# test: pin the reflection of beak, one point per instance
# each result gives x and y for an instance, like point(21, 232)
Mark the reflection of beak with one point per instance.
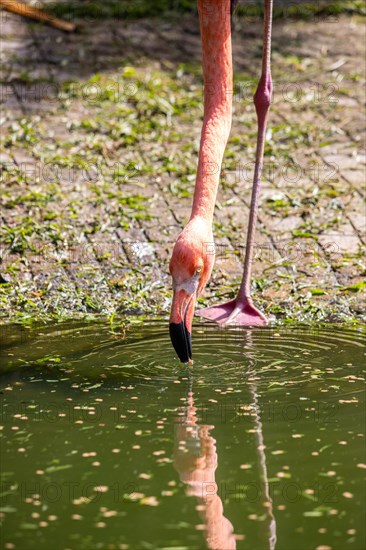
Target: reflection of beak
point(180, 326)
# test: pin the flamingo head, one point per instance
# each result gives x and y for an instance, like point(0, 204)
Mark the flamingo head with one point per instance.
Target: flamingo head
point(190, 267)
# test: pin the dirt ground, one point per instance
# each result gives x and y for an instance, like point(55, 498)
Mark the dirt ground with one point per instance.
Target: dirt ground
point(100, 134)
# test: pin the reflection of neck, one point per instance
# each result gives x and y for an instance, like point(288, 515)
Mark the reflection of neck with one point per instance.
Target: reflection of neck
point(219, 531)
point(196, 465)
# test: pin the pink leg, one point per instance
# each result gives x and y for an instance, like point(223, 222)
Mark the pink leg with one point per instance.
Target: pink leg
point(262, 102)
point(241, 310)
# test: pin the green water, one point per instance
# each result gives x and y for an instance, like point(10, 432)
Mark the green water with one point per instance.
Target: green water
point(108, 442)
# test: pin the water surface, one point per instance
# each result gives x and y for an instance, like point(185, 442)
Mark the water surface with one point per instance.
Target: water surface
point(108, 442)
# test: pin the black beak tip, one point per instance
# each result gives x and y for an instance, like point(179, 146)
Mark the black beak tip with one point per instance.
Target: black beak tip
point(182, 341)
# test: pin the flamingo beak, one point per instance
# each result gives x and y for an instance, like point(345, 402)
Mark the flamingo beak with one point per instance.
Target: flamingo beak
point(180, 325)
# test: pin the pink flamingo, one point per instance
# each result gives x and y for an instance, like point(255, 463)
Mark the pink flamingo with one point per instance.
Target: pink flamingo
point(191, 264)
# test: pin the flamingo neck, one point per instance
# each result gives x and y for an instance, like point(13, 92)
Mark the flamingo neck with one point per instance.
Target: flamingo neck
point(218, 88)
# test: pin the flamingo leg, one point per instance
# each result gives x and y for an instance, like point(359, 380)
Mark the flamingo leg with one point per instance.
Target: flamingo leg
point(241, 310)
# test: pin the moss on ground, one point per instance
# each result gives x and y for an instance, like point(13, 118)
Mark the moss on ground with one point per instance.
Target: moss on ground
point(96, 190)
point(126, 9)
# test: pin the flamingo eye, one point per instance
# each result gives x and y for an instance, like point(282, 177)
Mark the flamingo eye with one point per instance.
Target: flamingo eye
point(198, 270)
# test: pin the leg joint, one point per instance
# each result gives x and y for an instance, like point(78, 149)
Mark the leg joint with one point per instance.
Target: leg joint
point(263, 95)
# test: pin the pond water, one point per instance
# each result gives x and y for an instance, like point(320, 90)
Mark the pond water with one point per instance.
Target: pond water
point(107, 441)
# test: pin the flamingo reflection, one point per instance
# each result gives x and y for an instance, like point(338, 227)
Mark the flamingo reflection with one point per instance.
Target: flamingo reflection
point(195, 459)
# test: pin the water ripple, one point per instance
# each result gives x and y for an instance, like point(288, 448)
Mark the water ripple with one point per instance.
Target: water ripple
point(266, 356)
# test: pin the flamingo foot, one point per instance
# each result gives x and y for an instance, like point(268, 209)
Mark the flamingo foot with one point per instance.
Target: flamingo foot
point(241, 313)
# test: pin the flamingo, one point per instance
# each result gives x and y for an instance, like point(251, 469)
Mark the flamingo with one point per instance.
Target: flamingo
point(191, 263)
point(196, 461)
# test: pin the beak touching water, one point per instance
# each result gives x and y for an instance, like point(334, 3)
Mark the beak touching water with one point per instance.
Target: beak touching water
point(180, 324)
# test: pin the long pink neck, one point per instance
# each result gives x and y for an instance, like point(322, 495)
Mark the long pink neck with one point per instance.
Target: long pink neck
point(218, 88)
